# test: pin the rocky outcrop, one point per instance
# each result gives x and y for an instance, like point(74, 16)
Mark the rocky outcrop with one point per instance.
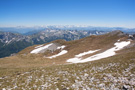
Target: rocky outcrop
point(118, 32)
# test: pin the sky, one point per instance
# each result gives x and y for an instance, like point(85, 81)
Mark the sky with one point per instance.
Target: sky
point(106, 13)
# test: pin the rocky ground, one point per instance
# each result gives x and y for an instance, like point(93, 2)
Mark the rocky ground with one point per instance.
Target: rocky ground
point(87, 76)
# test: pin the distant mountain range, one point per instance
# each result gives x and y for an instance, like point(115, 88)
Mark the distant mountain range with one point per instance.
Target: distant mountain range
point(32, 30)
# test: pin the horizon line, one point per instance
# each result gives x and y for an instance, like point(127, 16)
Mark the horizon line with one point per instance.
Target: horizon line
point(25, 26)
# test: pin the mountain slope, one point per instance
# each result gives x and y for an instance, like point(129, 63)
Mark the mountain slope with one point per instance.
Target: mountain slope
point(100, 43)
point(32, 68)
point(13, 43)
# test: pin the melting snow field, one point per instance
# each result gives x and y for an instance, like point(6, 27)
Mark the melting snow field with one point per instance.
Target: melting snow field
point(59, 54)
point(105, 54)
point(37, 50)
point(85, 53)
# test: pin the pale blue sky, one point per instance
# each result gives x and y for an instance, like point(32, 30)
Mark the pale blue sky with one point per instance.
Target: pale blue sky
point(107, 13)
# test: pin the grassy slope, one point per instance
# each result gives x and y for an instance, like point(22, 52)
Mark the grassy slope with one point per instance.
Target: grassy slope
point(46, 74)
point(117, 70)
point(25, 59)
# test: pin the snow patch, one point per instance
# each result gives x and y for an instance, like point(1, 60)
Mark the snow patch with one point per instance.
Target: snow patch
point(85, 53)
point(118, 40)
point(40, 48)
point(61, 47)
point(78, 57)
point(59, 54)
point(3, 89)
point(105, 54)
